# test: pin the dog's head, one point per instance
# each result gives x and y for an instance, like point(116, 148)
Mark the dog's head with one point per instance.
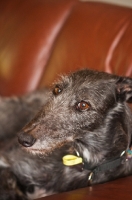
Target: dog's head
point(87, 109)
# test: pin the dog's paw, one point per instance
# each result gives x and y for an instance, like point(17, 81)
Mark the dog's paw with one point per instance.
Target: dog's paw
point(8, 179)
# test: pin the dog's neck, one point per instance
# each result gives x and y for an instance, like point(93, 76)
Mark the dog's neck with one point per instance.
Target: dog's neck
point(108, 165)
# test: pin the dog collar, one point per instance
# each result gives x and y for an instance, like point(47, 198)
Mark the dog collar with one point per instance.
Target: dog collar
point(104, 167)
point(71, 160)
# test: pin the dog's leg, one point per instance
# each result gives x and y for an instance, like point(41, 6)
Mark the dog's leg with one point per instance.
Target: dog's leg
point(9, 188)
point(15, 112)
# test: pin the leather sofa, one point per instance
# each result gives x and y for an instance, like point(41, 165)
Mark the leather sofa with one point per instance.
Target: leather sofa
point(40, 39)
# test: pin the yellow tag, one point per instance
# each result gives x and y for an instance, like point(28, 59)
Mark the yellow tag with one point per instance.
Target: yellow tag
point(70, 160)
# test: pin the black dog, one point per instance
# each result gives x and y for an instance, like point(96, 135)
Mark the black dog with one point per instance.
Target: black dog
point(86, 115)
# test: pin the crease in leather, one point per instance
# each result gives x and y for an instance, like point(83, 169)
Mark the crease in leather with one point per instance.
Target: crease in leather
point(112, 48)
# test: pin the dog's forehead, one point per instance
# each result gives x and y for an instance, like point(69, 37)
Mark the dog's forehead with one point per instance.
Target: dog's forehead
point(92, 76)
point(88, 79)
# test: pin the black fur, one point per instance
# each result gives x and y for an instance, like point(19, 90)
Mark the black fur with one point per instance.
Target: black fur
point(87, 113)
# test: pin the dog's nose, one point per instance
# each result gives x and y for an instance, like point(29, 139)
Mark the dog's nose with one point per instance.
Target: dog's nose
point(26, 139)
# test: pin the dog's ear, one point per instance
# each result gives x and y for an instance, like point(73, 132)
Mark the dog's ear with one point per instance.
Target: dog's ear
point(124, 89)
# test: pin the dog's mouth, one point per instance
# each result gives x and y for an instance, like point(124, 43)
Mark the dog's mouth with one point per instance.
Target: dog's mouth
point(47, 147)
point(37, 151)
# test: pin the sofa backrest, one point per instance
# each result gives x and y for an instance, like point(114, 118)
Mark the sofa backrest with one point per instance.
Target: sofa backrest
point(40, 39)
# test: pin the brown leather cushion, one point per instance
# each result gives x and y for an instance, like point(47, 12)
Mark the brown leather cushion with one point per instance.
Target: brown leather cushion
point(98, 36)
point(28, 29)
point(41, 38)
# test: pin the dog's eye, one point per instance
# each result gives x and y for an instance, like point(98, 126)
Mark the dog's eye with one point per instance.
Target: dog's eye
point(82, 106)
point(57, 90)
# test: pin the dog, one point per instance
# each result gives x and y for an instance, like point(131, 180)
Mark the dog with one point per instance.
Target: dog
point(75, 135)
